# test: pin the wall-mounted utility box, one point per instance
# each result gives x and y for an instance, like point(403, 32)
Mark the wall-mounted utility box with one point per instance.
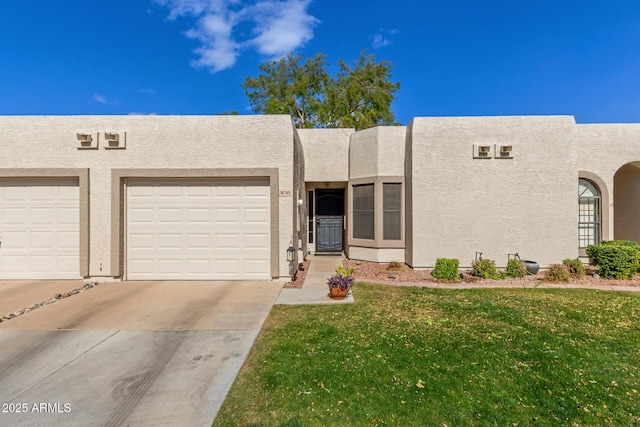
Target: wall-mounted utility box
point(86, 141)
point(481, 151)
point(504, 152)
point(114, 140)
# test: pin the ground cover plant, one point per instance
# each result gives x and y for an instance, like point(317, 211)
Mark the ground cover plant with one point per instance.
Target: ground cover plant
point(434, 357)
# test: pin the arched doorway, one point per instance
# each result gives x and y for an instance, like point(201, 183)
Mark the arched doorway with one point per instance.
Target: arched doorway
point(626, 202)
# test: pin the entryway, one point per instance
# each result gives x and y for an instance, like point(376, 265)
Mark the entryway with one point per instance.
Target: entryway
point(329, 220)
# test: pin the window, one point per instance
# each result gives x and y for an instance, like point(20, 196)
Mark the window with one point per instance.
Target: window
point(391, 200)
point(588, 214)
point(363, 206)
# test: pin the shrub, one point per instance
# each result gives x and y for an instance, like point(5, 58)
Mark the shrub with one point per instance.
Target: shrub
point(615, 259)
point(395, 266)
point(343, 271)
point(485, 268)
point(446, 269)
point(558, 273)
point(516, 268)
point(576, 269)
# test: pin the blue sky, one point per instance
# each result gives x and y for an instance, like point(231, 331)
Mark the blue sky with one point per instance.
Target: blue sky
point(452, 58)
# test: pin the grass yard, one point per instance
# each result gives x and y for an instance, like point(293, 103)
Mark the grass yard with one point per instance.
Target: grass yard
point(414, 356)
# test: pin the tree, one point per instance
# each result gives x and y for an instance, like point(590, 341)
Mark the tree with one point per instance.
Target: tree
point(359, 96)
point(286, 87)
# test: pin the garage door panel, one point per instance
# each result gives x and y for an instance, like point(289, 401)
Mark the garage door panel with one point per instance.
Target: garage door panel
point(141, 241)
point(45, 216)
point(170, 266)
point(255, 216)
point(69, 215)
point(67, 263)
point(41, 239)
point(227, 215)
point(141, 216)
point(170, 241)
point(14, 263)
point(170, 192)
point(259, 241)
point(201, 230)
point(199, 266)
point(14, 216)
point(68, 240)
point(198, 241)
point(40, 228)
point(254, 266)
point(226, 241)
point(41, 263)
point(199, 215)
point(170, 216)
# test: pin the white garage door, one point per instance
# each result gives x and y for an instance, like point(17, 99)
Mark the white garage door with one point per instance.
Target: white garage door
point(39, 230)
point(197, 230)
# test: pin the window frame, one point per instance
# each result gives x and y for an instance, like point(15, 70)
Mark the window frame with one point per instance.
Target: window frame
point(369, 210)
point(389, 212)
point(593, 227)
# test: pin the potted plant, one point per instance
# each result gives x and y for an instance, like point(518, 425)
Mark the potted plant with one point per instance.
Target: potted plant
point(340, 283)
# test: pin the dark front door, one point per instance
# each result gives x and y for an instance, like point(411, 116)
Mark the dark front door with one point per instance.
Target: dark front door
point(329, 219)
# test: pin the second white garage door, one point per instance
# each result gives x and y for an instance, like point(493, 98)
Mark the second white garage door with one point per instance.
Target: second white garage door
point(197, 230)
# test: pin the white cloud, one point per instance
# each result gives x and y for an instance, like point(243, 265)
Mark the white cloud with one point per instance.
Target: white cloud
point(277, 27)
point(382, 38)
point(100, 98)
point(282, 26)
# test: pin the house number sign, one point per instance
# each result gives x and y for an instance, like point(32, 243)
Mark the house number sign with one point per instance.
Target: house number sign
point(285, 193)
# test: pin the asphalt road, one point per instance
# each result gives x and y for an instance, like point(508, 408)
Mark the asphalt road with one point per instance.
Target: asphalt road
point(130, 354)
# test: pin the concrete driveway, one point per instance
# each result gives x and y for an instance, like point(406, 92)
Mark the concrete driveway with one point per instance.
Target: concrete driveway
point(130, 353)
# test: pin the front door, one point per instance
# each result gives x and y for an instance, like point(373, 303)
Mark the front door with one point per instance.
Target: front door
point(329, 219)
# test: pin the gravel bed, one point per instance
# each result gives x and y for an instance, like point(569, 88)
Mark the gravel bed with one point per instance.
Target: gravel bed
point(300, 276)
point(372, 271)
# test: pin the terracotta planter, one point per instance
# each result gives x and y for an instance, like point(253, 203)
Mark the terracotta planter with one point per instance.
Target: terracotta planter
point(337, 293)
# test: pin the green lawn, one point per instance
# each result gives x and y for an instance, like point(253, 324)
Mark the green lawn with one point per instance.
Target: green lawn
point(434, 357)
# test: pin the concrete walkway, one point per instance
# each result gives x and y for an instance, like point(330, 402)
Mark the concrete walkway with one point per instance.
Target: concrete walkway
point(315, 289)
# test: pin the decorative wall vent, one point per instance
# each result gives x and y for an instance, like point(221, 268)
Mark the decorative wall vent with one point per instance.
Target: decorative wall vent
point(86, 141)
point(504, 152)
point(481, 151)
point(113, 140)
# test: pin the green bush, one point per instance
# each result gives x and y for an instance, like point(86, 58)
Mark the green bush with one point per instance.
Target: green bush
point(516, 268)
point(558, 273)
point(576, 268)
point(446, 269)
point(485, 268)
point(615, 259)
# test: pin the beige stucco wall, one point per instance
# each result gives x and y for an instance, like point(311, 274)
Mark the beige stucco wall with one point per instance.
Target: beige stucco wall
point(603, 149)
point(153, 142)
point(326, 154)
point(627, 203)
point(460, 205)
point(376, 254)
point(377, 151)
point(377, 155)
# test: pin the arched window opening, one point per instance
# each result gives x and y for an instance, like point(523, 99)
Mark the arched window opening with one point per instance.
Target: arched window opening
point(588, 213)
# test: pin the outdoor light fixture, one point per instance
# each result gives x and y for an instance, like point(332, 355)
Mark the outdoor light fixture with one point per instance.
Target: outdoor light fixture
point(290, 252)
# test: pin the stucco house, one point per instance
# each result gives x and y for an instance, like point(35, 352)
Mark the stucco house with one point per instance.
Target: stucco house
point(224, 197)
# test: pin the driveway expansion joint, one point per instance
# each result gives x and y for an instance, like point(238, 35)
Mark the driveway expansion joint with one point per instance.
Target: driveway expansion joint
point(55, 298)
